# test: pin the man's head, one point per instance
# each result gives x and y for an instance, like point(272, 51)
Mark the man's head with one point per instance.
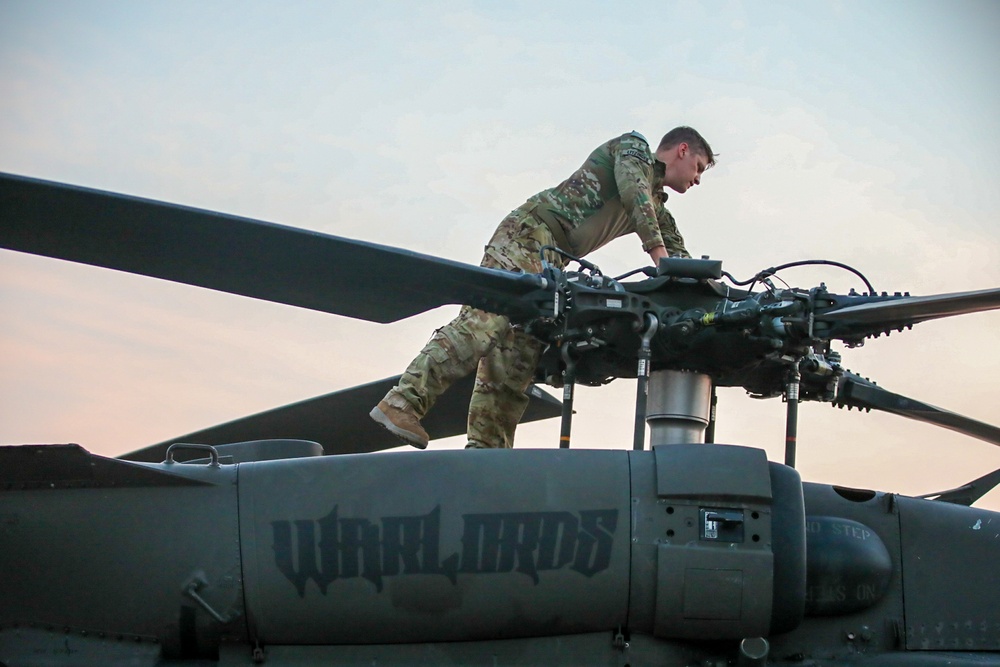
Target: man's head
point(686, 155)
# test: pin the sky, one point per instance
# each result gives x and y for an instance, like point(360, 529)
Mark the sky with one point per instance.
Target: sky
point(865, 133)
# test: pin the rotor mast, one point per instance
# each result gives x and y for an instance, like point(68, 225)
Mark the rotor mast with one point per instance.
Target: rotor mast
point(679, 407)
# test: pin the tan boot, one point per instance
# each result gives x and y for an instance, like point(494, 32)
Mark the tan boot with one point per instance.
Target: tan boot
point(402, 423)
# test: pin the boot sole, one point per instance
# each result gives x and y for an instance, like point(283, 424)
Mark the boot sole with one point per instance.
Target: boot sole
point(407, 437)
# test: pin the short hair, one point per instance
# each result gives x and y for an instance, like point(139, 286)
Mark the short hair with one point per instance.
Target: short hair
point(690, 136)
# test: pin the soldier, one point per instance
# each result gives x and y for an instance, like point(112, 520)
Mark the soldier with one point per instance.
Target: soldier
point(617, 191)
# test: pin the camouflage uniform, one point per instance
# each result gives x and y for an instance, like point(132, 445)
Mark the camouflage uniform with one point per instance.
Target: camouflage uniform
point(617, 191)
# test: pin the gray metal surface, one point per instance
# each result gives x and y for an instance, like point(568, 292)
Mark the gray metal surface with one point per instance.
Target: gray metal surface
point(115, 561)
point(73, 467)
point(678, 407)
point(705, 532)
point(596, 649)
point(667, 557)
point(435, 546)
point(950, 552)
point(872, 630)
point(848, 566)
point(690, 471)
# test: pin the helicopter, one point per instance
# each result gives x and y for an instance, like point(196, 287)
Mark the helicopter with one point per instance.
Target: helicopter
point(288, 538)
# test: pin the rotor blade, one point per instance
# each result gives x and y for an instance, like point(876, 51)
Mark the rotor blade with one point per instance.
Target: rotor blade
point(339, 421)
point(967, 494)
point(857, 392)
point(912, 309)
point(243, 256)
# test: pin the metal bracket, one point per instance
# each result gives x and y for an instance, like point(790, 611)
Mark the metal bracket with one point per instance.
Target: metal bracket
point(258, 655)
point(619, 640)
point(191, 588)
point(651, 325)
point(184, 445)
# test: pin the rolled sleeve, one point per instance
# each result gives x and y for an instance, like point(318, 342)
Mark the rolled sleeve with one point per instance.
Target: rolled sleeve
point(672, 239)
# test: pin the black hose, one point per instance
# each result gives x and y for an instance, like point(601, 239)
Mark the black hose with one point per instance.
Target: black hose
point(806, 262)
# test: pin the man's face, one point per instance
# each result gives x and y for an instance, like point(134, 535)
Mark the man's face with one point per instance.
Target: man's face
point(684, 168)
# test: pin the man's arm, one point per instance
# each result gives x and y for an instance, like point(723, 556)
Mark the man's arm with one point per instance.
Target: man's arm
point(657, 253)
point(633, 164)
point(672, 240)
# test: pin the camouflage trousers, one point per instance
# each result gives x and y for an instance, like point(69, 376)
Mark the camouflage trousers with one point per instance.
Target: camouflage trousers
point(504, 356)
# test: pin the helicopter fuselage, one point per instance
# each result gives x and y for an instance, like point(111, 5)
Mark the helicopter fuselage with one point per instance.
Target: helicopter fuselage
point(685, 552)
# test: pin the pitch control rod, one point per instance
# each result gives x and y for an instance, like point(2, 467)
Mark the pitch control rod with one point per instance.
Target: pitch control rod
point(792, 415)
point(642, 382)
point(569, 380)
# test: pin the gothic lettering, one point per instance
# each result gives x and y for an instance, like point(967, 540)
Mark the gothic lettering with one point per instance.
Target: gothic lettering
point(335, 547)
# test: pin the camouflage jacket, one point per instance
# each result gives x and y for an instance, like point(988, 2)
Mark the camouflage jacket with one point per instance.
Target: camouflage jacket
point(617, 191)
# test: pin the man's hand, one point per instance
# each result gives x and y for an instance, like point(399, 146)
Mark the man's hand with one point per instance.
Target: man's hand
point(657, 253)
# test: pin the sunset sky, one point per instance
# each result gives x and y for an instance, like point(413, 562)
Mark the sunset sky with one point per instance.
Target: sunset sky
point(866, 133)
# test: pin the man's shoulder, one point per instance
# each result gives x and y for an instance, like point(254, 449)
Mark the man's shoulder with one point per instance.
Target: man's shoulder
point(632, 145)
point(637, 135)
